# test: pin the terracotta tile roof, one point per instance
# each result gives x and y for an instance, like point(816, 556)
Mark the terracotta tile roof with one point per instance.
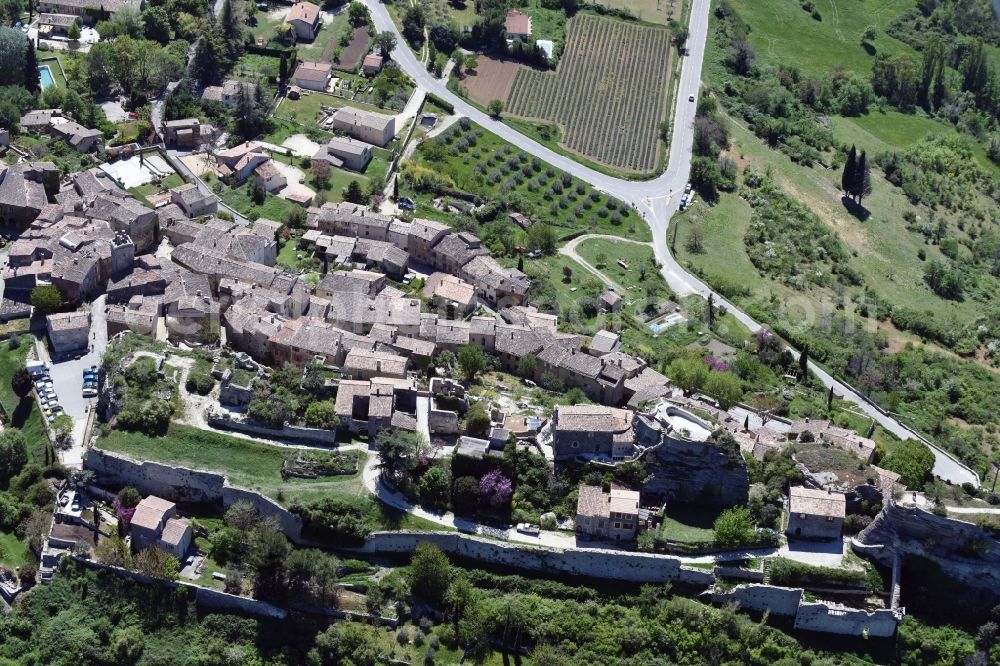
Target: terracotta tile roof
point(816, 502)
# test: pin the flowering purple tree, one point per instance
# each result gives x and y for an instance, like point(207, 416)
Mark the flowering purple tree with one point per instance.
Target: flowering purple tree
point(123, 513)
point(495, 489)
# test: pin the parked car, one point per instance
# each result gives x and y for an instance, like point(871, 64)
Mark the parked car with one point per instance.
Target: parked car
point(63, 500)
point(406, 203)
point(690, 98)
point(89, 392)
point(528, 528)
point(535, 254)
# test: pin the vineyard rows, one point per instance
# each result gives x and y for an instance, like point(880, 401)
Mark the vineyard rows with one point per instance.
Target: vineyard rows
point(609, 92)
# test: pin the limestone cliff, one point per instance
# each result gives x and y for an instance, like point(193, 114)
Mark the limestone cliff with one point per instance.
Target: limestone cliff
point(711, 472)
point(963, 551)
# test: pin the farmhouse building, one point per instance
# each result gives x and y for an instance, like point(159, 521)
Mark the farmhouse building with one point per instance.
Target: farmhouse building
point(68, 331)
point(304, 17)
point(373, 128)
point(155, 523)
point(372, 64)
point(613, 515)
point(518, 24)
point(815, 514)
point(592, 430)
point(313, 75)
point(344, 151)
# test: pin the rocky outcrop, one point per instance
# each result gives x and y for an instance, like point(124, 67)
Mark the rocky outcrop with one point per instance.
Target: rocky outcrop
point(964, 551)
point(711, 472)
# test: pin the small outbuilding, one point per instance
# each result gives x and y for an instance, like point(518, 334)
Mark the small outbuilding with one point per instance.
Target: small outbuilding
point(815, 514)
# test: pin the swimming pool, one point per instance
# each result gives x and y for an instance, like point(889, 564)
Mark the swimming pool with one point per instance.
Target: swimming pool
point(45, 74)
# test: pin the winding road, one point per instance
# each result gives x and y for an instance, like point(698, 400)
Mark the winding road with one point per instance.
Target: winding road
point(657, 200)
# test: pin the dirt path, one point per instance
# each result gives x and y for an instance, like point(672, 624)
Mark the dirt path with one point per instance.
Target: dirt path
point(569, 250)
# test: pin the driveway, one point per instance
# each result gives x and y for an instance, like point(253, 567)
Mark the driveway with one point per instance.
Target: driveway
point(301, 145)
point(67, 382)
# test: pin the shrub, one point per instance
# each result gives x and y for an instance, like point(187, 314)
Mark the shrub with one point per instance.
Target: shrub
point(199, 382)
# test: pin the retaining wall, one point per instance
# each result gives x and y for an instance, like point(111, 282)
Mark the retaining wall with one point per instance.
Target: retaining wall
point(586, 562)
point(296, 433)
point(183, 485)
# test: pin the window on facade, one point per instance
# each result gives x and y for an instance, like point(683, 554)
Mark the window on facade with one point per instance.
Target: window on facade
point(618, 526)
point(576, 445)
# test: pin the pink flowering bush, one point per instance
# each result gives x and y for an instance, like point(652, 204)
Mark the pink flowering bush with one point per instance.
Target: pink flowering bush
point(716, 364)
point(495, 489)
point(123, 513)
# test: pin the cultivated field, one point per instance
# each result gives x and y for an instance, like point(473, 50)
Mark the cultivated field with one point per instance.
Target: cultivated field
point(492, 79)
point(609, 93)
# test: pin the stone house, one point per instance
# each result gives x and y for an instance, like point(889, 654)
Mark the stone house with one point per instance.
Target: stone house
point(374, 128)
point(186, 132)
point(25, 190)
point(313, 75)
point(372, 64)
point(68, 331)
point(613, 515)
point(87, 9)
point(517, 24)
point(126, 214)
point(305, 18)
point(611, 301)
point(365, 364)
point(268, 176)
point(345, 151)
point(815, 514)
point(191, 200)
point(82, 139)
point(139, 315)
point(155, 523)
point(593, 431)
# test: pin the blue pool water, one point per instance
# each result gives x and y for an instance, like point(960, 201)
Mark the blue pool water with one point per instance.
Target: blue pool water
point(46, 75)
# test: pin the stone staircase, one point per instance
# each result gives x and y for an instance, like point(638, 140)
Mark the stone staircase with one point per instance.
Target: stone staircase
point(767, 572)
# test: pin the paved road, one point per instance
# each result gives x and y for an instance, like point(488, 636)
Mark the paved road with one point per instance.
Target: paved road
point(656, 200)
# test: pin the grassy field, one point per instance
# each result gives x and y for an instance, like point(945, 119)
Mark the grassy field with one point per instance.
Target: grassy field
point(320, 49)
point(605, 254)
point(782, 32)
point(608, 94)
point(882, 249)
point(685, 523)
point(251, 464)
point(273, 208)
point(13, 551)
point(24, 414)
point(654, 11)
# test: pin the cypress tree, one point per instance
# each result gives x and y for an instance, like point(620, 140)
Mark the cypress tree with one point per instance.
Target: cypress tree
point(711, 310)
point(829, 400)
point(520, 263)
point(32, 79)
point(850, 167)
point(862, 178)
point(283, 69)
point(395, 188)
point(804, 362)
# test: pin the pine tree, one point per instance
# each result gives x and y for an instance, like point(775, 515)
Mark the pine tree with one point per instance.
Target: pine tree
point(32, 80)
point(862, 178)
point(850, 166)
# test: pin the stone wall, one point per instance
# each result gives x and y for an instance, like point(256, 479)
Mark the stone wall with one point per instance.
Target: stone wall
point(294, 433)
point(204, 597)
point(685, 471)
point(838, 619)
point(782, 601)
point(183, 485)
point(442, 421)
point(822, 616)
point(586, 562)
